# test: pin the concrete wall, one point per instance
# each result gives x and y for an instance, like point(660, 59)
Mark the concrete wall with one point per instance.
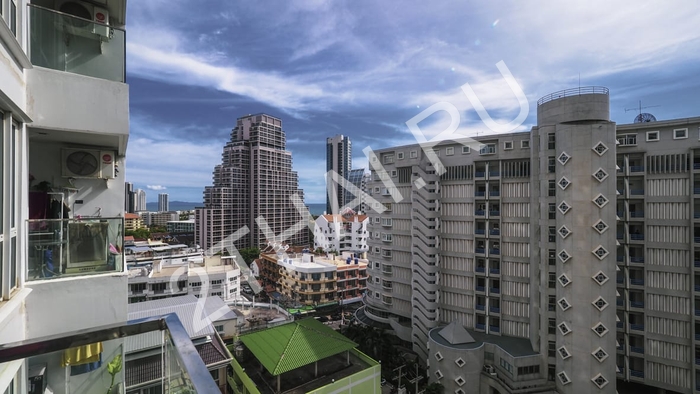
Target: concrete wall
point(61, 305)
point(574, 109)
point(63, 101)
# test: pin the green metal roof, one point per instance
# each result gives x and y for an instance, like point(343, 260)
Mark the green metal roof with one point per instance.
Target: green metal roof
point(290, 346)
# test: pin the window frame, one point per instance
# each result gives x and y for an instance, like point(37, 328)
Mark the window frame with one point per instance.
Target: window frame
point(658, 136)
point(525, 144)
point(449, 151)
point(466, 150)
point(507, 145)
point(11, 158)
point(399, 155)
point(685, 134)
point(413, 154)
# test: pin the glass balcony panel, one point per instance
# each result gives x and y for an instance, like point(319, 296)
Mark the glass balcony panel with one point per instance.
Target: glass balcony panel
point(80, 361)
point(59, 248)
point(66, 43)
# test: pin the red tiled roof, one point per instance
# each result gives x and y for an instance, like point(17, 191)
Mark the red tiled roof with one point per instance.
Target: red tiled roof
point(131, 216)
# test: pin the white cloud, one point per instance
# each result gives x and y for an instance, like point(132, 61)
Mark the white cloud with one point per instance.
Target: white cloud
point(155, 187)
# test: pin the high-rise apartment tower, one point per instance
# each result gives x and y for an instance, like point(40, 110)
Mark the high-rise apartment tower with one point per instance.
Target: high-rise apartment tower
point(254, 185)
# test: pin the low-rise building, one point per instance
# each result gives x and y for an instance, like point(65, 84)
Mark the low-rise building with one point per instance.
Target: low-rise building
point(132, 222)
point(302, 357)
point(180, 226)
point(160, 219)
point(311, 279)
point(158, 279)
point(341, 232)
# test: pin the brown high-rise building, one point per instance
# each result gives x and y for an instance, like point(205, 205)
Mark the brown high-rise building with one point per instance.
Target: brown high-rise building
point(254, 180)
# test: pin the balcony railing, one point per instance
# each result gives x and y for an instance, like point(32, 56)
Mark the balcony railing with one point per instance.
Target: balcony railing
point(636, 192)
point(637, 282)
point(494, 290)
point(637, 374)
point(495, 271)
point(480, 231)
point(58, 248)
point(180, 370)
point(480, 326)
point(479, 212)
point(494, 213)
point(480, 307)
point(637, 304)
point(479, 174)
point(495, 193)
point(636, 259)
point(494, 328)
point(637, 214)
point(495, 251)
point(64, 42)
point(495, 232)
point(637, 327)
point(479, 193)
point(480, 269)
point(637, 237)
point(494, 173)
point(696, 166)
point(495, 309)
point(480, 288)
point(637, 349)
point(479, 250)
point(636, 168)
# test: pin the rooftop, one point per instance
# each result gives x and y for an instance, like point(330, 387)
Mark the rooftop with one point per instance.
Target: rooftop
point(516, 347)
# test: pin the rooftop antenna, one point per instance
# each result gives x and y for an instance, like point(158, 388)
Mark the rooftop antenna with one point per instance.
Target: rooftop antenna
point(643, 117)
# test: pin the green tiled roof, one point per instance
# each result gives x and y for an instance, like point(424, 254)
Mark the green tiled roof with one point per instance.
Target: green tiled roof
point(290, 346)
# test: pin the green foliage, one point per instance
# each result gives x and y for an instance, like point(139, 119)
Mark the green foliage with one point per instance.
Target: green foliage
point(142, 233)
point(249, 254)
point(158, 229)
point(114, 367)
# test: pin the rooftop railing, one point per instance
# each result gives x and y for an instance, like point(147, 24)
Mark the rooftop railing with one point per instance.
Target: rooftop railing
point(64, 42)
point(573, 92)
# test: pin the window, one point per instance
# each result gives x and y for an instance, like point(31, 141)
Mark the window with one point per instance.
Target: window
point(215, 374)
point(679, 134)
point(529, 370)
point(13, 17)
point(487, 149)
point(394, 173)
point(552, 188)
point(399, 155)
point(525, 144)
point(552, 211)
point(388, 159)
point(9, 146)
point(551, 348)
point(465, 150)
point(551, 141)
point(436, 151)
point(449, 151)
point(551, 327)
point(551, 165)
point(219, 327)
point(552, 234)
point(627, 139)
point(508, 145)
point(652, 136)
point(413, 154)
point(216, 282)
point(552, 280)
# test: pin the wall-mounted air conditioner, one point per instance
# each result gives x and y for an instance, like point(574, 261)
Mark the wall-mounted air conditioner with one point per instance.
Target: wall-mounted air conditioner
point(87, 163)
point(83, 13)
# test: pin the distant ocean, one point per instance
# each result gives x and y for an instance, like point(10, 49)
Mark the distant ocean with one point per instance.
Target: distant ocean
point(314, 209)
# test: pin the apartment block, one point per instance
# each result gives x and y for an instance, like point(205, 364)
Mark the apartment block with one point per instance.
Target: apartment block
point(516, 238)
point(163, 204)
point(254, 182)
point(311, 279)
point(345, 232)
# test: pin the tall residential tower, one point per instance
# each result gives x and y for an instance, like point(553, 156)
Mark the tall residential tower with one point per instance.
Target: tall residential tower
point(253, 185)
point(163, 204)
point(338, 159)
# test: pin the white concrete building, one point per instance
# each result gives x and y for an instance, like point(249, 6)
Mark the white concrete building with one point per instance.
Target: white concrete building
point(341, 233)
point(65, 126)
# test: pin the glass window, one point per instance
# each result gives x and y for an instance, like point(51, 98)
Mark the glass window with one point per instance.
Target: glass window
point(13, 17)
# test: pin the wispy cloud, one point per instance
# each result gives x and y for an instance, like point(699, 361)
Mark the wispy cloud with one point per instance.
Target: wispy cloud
point(155, 187)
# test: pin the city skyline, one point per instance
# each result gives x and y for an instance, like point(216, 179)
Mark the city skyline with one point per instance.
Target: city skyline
point(348, 75)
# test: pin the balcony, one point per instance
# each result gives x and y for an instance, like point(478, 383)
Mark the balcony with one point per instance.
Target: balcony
point(636, 259)
point(480, 307)
point(479, 250)
point(495, 232)
point(637, 349)
point(495, 309)
point(182, 372)
point(637, 374)
point(495, 271)
point(696, 166)
point(637, 214)
point(495, 251)
point(495, 193)
point(479, 231)
point(480, 269)
point(494, 328)
point(494, 290)
point(620, 324)
point(636, 192)
point(637, 304)
point(80, 46)
point(637, 282)
point(480, 288)
point(637, 237)
point(637, 327)
point(636, 168)
point(479, 212)
point(59, 248)
point(479, 193)
point(494, 173)
point(494, 213)
point(479, 174)
point(480, 326)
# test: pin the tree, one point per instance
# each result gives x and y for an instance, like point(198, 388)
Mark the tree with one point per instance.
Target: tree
point(158, 229)
point(141, 233)
point(249, 254)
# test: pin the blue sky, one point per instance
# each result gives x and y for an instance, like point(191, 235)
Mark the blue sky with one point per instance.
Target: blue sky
point(364, 68)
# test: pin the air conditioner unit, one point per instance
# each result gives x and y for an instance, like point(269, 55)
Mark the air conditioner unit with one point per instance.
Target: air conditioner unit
point(83, 13)
point(87, 163)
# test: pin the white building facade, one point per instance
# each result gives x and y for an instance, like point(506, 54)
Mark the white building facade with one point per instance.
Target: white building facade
point(341, 233)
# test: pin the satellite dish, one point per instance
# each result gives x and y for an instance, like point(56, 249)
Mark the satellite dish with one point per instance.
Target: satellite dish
point(644, 117)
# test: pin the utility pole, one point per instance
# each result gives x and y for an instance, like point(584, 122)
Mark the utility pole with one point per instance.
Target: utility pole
point(417, 379)
point(400, 375)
